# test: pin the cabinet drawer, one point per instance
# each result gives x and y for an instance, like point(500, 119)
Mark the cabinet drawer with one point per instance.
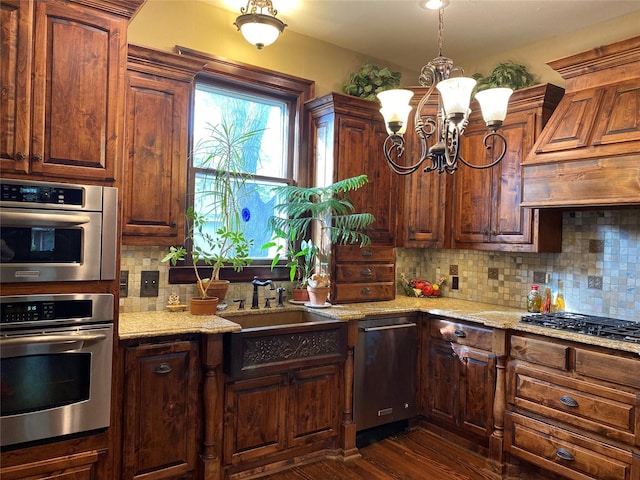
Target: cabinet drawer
point(370, 254)
point(574, 456)
point(462, 334)
point(540, 352)
point(363, 292)
point(359, 273)
point(602, 410)
point(611, 368)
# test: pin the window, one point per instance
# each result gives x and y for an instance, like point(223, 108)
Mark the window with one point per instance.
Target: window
point(258, 126)
point(251, 99)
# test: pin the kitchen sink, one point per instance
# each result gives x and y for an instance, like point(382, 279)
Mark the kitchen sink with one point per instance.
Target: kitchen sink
point(264, 319)
point(281, 340)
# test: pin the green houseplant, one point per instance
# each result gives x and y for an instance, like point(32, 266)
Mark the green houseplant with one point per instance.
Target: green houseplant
point(506, 74)
point(215, 228)
point(325, 213)
point(370, 80)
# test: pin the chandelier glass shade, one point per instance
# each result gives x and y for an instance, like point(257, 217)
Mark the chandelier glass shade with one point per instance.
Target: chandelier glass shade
point(258, 28)
point(447, 126)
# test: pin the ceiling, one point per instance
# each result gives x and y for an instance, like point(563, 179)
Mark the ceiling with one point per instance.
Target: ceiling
point(403, 33)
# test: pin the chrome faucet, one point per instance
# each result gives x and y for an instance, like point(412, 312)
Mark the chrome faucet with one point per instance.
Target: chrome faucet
point(259, 283)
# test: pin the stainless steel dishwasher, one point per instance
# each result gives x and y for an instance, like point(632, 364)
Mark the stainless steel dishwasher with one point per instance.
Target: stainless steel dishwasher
point(385, 371)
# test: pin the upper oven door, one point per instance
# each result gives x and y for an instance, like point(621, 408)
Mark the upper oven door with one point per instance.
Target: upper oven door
point(38, 245)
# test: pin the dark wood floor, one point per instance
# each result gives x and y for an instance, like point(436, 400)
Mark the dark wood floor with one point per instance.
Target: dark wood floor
point(410, 455)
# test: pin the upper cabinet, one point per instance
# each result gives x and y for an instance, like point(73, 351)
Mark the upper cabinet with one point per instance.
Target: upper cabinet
point(158, 106)
point(63, 77)
point(348, 136)
point(588, 154)
point(486, 209)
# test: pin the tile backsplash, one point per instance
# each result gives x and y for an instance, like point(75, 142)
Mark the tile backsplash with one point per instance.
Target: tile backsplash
point(598, 266)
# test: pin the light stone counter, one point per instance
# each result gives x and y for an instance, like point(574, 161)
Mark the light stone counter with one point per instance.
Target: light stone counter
point(153, 324)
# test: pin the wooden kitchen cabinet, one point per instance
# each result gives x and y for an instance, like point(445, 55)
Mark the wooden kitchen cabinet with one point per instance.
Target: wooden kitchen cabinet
point(64, 80)
point(486, 209)
point(573, 408)
point(154, 180)
point(460, 384)
point(161, 410)
point(269, 415)
point(80, 466)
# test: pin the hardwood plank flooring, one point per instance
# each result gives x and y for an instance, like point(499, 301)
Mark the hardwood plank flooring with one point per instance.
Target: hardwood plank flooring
point(410, 455)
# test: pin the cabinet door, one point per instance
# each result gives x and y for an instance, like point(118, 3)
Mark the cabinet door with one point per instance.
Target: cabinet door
point(161, 410)
point(16, 22)
point(360, 151)
point(314, 405)
point(477, 392)
point(79, 58)
point(444, 381)
point(255, 419)
point(156, 163)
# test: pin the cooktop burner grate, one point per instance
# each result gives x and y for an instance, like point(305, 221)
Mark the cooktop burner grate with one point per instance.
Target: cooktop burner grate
point(624, 330)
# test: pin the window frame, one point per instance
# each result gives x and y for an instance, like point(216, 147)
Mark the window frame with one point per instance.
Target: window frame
point(295, 91)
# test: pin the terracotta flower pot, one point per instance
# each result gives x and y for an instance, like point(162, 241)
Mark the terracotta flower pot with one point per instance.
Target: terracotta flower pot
point(300, 295)
point(204, 306)
point(318, 295)
point(218, 288)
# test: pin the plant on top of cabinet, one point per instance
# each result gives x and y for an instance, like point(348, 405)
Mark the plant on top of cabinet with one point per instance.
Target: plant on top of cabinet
point(370, 80)
point(330, 212)
point(506, 74)
point(223, 243)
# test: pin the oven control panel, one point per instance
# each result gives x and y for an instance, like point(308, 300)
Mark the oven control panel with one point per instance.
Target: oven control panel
point(34, 193)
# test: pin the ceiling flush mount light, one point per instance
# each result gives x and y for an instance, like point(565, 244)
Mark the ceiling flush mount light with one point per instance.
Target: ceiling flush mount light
point(258, 28)
point(449, 124)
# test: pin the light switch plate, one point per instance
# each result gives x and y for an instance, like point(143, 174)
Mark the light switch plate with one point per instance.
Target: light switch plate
point(149, 280)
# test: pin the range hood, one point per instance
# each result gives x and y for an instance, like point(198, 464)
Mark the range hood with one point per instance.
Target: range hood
point(588, 154)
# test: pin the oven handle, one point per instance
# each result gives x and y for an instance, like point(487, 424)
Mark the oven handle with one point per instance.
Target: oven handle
point(63, 340)
point(15, 219)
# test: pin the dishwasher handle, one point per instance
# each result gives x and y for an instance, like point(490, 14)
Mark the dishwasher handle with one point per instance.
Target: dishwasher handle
point(388, 327)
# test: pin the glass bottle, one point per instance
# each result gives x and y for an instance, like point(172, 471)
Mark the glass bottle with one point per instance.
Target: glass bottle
point(534, 300)
point(559, 304)
point(546, 299)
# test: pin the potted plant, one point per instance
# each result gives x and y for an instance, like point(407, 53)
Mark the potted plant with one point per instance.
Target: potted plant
point(370, 80)
point(324, 212)
point(216, 229)
point(506, 74)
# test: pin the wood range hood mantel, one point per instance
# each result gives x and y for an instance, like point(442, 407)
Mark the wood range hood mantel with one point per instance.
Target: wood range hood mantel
point(588, 154)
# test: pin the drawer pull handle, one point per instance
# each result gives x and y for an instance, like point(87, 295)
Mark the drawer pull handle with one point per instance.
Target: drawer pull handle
point(565, 454)
point(366, 253)
point(366, 291)
point(163, 368)
point(460, 333)
point(568, 401)
point(366, 272)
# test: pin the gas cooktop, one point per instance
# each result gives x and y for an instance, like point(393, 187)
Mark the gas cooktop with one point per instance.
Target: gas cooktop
point(611, 328)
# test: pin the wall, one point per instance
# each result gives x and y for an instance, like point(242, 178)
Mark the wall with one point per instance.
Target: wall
point(599, 266)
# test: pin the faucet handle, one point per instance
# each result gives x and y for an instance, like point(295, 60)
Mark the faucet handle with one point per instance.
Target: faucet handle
point(267, 300)
point(281, 291)
point(241, 301)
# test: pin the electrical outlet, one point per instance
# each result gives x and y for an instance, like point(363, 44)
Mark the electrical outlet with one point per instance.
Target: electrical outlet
point(124, 283)
point(149, 281)
point(454, 282)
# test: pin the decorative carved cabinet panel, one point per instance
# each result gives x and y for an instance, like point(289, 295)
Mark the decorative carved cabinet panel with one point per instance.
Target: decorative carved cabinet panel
point(64, 117)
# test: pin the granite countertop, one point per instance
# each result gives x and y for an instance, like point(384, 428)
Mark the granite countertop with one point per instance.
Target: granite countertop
point(161, 323)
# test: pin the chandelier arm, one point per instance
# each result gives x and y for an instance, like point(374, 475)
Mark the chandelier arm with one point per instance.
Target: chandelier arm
point(394, 147)
point(493, 135)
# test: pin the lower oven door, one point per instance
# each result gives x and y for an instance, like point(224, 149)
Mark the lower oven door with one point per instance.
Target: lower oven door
point(54, 382)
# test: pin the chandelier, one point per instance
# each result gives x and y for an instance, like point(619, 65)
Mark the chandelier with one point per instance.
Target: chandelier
point(259, 29)
point(449, 123)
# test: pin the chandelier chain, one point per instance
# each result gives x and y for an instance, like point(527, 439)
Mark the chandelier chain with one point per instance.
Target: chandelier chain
point(440, 29)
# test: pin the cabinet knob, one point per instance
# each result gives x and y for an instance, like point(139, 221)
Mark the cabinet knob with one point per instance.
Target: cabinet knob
point(365, 252)
point(366, 291)
point(20, 156)
point(568, 401)
point(366, 272)
point(565, 454)
point(163, 368)
point(460, 333)
point(37, 157)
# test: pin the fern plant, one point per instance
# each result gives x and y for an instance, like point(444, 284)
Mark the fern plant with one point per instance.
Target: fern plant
point(329, 211)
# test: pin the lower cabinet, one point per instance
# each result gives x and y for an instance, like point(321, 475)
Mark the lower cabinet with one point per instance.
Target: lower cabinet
point(277, 413)
point(460, 384)
point(161, 405)
point(80, 466)
point(573, 409)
